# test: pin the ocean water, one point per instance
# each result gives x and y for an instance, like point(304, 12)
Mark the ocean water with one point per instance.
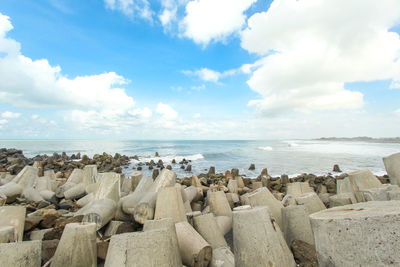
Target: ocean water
point(291, 157)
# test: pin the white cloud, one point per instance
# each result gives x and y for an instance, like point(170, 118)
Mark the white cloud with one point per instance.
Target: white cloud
point(197, 116)
point(198, 88)
point(209, 75)
point(397, 112)
point(166, 112)
point(310, 49)
point(3, 121)
point(208, 20)
point(35, 116)
point(31, 83)
point(10, 115)
point(131, 8)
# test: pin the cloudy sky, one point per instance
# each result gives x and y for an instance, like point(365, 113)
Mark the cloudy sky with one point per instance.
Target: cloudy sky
point(199, 69)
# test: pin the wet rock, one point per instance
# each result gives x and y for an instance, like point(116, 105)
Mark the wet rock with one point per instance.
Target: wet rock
point(304, 254)
point(336, 168)
point(252, 167)
point(156, 172)
point(211, 171)
point(169, 167)
point(189, 168)
point(173, 161)
point(156, 154)
point(85, 160)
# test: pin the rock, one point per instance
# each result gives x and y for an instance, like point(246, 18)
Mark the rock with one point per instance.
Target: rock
point(59, 227)
point(49, 218)
point(156, 154)
point(211, 171)
point(252, 167)
point(336, 168)
point(156, 172)
point(188, 168)
point(85, 160)
point(304, 254)
point(48, 249)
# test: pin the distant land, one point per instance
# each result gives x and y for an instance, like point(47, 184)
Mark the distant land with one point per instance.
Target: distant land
point(362, 139)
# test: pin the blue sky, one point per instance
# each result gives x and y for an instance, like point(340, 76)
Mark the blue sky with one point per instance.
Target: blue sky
point(199, 69)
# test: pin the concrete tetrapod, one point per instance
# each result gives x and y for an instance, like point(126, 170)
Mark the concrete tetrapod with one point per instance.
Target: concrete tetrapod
point(263, 197)
point(100, 211)
point(130, 201)
point(135, 179)
point(144, 210)
point(170, 205)
point(11, 190)
point(222, 257)
point(6, 234)
point(392, 166)
point(77, 246)
point(149, 248)
point(21, 254)
point(296, 224)
point(194, 250)
point(362, 234)
point(219, 204)
point(311, 201)
point(298, 189)
point(168, 224)
point(206, 225)
point(257, 241)
point(13, 216)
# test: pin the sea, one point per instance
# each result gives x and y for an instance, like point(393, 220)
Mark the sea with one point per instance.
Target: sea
point(291, 157)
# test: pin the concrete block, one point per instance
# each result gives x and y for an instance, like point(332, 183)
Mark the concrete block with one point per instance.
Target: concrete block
point(362, 234)
point(77, 246)
point(13, 216)
point(392, 166)
point(258, 241)
point(311, 201)
point(296, 224)
point(263, 197)
point(21, 254)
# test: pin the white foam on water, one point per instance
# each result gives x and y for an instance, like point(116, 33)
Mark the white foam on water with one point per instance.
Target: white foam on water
point(266, 148)
point(168, 159)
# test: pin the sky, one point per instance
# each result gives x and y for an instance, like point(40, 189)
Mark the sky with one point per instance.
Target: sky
point(199, 69)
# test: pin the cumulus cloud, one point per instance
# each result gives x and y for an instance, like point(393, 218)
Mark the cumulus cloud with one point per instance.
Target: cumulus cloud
point(209, 75)
point(36, 83)
point(131, 8)
point(397, 112)
point(166, 112)
point(208, 20)
point(10, 115)
point(309, 49)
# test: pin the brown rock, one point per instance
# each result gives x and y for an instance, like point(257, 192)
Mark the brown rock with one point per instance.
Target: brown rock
point(48, 249)
point(85, 160)
point(102, 247)
point(252, 167)
point(336, 168)
point(59, 227)
point(304, 254)
point(49, 218)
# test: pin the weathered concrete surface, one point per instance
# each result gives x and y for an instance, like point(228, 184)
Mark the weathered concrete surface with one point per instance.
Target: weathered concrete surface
point(21, 254)
point(149, 248)
point(169, 204)
point(311, 201)
point(130, 201)
point(109, 187)
point(6, 234)
point(194, 250)
point(168, 224)
point(219, 204)
point(298, 189)
point(77, 246)
point(296, 224)
point(362, 234)
point(11, 190)
point(392, 166)
point(206, 225)
point(39, 234)
point(341, 200)
point(222, 257)
point(100, 211)
point(13, 216)
point(263, 197)
point(258, 241)
point(383, 193)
